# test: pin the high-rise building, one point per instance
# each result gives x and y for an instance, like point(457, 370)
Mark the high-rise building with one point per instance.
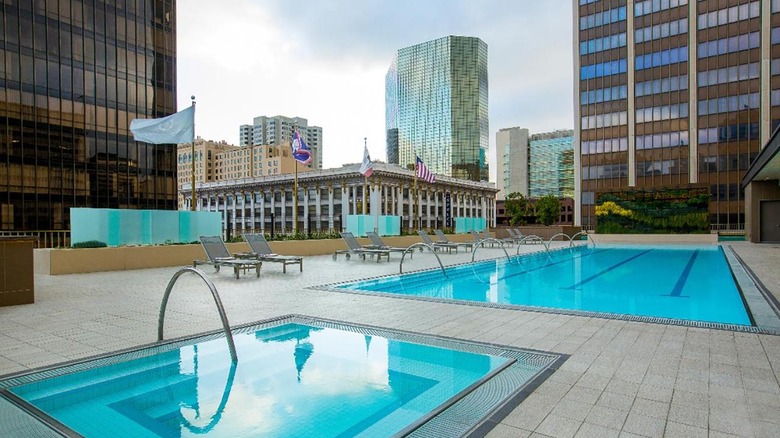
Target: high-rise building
point(535, 165)
point(278, 131)
point(551, 164)
point(75, 74)
point(672, 93)
point(512, 161)
point(437, 107)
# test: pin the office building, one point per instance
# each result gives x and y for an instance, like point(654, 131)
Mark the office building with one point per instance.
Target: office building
point(437, 107)
point(278, 131)
point(535, 165)
point(326, 197)
point(673, 93)
point(512, 161)
point(551, 164)
point(75, 75)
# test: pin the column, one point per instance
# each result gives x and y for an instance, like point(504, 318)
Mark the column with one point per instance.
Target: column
point(262, 210)
point(330, 207)
point(233, 226)
point(283, 228)
point(318, 208)
point(375, 205)
point(436, 208)
point(344, 206)
point(273, 206)
point(428, 208)
point(306, 209)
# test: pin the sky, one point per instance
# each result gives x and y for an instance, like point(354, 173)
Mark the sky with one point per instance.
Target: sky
point(326, 61)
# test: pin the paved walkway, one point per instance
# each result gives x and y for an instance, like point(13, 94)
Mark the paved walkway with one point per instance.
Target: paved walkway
point(624, 379)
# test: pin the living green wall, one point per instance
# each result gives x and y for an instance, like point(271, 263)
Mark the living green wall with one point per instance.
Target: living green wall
point(667, 211)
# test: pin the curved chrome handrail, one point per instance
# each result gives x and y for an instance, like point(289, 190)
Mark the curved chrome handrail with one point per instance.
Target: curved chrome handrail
point(420, 244)
point(474, 251)
point(559, 234)
point(532, 237)
point(584, 233)
point(214, 293)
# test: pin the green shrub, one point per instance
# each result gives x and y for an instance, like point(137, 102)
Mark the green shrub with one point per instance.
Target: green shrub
point(89, 244)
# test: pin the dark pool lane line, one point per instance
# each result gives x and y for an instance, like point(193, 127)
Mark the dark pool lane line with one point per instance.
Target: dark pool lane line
point(678, 287)
point(599, 274)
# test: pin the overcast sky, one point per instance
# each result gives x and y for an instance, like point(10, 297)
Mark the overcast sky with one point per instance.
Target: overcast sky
point(326, 61)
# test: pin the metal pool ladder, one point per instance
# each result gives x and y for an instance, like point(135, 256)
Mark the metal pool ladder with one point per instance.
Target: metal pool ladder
point(490, 239)
point(421, 245)
point(214, 293)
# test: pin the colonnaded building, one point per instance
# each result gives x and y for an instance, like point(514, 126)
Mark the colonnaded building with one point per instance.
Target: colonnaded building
point(326, 197)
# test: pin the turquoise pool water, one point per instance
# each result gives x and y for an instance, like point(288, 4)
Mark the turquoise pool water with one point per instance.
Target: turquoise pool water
point(689, 283)
point(292, 380)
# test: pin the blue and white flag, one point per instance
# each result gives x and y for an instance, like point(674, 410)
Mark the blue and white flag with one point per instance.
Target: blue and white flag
point(176, 128)
point(300, 150)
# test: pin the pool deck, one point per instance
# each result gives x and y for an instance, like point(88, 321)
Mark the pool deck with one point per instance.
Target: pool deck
point(622, 379)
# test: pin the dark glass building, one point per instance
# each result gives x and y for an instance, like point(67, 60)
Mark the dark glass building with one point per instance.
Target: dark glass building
point(74, 73)
point(674, 93)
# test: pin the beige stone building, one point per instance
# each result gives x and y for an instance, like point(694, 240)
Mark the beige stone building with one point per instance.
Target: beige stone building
point(220, 161)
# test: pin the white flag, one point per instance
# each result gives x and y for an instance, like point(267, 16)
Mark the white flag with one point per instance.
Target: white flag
point(176, 128)
point(367, 168)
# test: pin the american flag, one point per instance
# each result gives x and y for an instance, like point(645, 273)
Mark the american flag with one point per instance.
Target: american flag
point(423, 173)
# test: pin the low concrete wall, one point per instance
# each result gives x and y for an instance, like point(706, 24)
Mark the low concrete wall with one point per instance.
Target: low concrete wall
point(82, 260)
point(686, 239)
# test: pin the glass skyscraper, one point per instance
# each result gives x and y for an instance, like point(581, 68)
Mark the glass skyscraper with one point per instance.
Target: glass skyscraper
point(674, 93)
point(74, 74)
point(437, 107)
point(551, 164)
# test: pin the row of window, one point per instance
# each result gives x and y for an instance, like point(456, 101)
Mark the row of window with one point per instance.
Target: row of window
point(729, 15)
point(722, 134)
point(604, 95)
point(675, 166)
point(651, 6)
point(605, 171)
point(729, 45)
point(729, 74)
point(604, 146)
point(603, 69)
point(663, 30)
point(603, 18)
point(665, 85)
point(729, 104)
point(662, 140)
point(775, 5)
point(605, 43)
point(775, 35)
point(664, 112)
point(604, 120)
point(587, 2)
point(664, 57)
point(723, 163)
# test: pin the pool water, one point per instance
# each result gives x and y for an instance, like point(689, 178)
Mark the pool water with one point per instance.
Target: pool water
point(291, 380)
point(688, 283)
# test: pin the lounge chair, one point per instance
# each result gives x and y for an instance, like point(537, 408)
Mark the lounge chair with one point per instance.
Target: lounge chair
point(514, 235)
point(378, 243)
point(218, 256)
point(262, 251)
point(443, 239)
point(437, 245)
point(354, 248)
point(479, 239)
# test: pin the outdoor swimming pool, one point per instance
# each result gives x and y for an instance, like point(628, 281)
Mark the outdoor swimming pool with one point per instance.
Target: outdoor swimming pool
point(684, 283)
point(295, 377)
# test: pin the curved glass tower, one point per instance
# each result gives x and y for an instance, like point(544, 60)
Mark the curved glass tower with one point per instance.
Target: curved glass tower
point(437, 107)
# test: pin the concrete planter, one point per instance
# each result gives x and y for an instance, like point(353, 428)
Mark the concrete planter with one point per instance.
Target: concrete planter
point(76, 261)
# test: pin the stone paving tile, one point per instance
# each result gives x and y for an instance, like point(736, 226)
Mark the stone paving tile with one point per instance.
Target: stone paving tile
point(677, 430)
point(503, 431)
point(670, 379)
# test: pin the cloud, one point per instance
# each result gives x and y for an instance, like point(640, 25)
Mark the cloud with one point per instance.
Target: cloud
point(326, 61)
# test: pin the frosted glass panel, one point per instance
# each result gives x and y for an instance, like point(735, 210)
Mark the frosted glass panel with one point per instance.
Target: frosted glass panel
point(466, 224)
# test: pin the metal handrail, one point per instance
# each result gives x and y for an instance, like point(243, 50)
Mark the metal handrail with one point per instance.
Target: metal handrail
point(214, 293)
point(532, 237)
point(474, 251)
point(584, 233)
point(420, 244)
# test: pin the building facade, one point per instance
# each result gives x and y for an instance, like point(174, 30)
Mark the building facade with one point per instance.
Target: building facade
point(512, 161)
point(437, 102)
point(674, 93)
point(278, 131)
point(325, 197)
point(75, 74)
point(551, 164)
point(220, 161)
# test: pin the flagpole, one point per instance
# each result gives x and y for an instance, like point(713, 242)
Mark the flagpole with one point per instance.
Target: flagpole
point(295, 199)
point(192, 207)
point(416, 207)
point(365, 181)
